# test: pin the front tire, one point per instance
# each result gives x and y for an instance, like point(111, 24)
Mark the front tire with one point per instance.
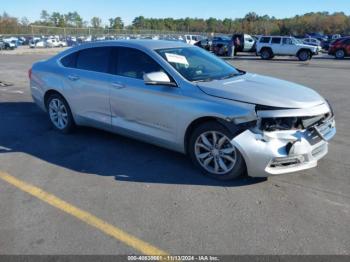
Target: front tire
point(339, 54)
point(304, 55)
point(211, 151)
point(59, 113)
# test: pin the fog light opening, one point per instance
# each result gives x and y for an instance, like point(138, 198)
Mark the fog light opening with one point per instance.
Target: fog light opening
point(287, 161)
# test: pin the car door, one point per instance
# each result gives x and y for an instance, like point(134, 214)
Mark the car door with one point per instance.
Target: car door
point(145, 111)
point(288, 47)
point(248, 43)
point(276, 45)
point(88, 85)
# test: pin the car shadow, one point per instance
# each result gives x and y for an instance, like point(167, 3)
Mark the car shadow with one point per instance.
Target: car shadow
point(25, 128)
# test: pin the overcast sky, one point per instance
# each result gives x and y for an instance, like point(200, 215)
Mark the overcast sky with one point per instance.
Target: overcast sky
point(174, 8)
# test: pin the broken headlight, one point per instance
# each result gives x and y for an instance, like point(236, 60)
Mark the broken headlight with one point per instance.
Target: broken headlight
point(280, 123)
point(292, 123)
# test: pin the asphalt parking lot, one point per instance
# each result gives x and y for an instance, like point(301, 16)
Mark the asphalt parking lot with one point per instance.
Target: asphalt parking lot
point(156, 195)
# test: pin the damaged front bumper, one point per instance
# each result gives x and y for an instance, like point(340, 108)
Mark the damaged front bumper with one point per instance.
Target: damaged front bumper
point(280, 152)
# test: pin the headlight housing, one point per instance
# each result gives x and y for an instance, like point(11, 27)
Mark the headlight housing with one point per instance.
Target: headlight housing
point(292, 123)
point(280, 123)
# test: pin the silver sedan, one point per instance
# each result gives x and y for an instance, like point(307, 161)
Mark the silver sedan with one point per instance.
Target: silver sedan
point(183, 98)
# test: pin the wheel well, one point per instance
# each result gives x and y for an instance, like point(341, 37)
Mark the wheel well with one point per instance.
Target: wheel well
point(341, 49)
point(304, 49)
point(195, 124)
point(266, 48)
point(50, 93)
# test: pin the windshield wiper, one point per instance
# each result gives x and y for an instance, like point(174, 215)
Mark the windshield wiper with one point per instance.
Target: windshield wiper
point(231, 75)
point(203, 80)
point(208, 79)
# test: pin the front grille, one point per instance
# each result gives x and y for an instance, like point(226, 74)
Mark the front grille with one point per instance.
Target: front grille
point(321, 128)
point(325, 129)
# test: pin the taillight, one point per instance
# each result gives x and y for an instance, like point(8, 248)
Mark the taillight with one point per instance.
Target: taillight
point(30, 73)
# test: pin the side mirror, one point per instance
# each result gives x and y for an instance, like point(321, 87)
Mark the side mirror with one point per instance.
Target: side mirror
point(158, 78)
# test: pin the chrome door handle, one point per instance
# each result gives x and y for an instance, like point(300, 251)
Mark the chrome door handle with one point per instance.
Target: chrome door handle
point(73, 77)
point(118, 85)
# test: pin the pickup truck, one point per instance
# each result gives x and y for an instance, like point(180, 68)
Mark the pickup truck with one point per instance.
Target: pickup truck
point(269, 46)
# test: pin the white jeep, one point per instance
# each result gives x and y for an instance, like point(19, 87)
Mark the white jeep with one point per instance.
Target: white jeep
point(269, 46)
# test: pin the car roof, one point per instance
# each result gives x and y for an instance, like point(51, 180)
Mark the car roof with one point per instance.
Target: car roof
point(144, 43)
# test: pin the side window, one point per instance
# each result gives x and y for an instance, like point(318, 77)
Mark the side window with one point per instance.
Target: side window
point(70, 60)
point(287, 41)
point(134, 63)
point(264, 40)
point(94, 59)
point(276, 40)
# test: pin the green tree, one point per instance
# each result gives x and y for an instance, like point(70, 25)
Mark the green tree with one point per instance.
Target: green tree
point(116, 23)
point(57, 19)
point(139, 22)
point(96, 22)
point(45, 16)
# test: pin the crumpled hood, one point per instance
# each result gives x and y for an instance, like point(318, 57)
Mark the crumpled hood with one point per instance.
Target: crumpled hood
point(307, 46)
point(263, 90)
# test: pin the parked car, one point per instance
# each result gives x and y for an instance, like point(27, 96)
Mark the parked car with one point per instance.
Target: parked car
point(12, 41)
point(313, 42)
point(340, 48)
point(325, 44)
point(38, 43)
point(52, 42)
point(184, 98)
point(192, 39)
point(6, 45)
point(334, 37)
point(205, 44)
point(318, 36)
point(220, 45)
point(269, 46)
point(55, 43)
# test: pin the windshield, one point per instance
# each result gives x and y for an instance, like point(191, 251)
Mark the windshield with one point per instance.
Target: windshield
point(196, 64)
point(296, 41)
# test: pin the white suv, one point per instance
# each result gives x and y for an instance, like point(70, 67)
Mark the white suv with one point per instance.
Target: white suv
point(269, 46)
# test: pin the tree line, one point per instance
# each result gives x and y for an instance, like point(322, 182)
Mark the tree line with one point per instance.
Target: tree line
point(252, 23)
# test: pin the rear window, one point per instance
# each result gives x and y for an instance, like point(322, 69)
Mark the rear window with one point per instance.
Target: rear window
point(69, 60)
point(94, 59)
point(265, 40)
point(276, 40)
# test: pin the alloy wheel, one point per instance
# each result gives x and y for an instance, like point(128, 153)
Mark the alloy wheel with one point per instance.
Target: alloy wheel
point(215, 153)
point(58, 113)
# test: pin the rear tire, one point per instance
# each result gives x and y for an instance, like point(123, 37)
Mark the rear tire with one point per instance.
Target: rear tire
point(210, 150)
point(59, 113)
point(340, 54)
